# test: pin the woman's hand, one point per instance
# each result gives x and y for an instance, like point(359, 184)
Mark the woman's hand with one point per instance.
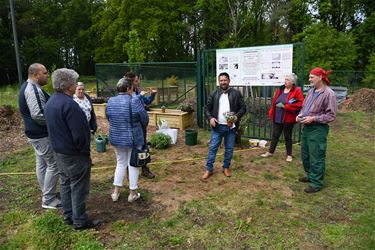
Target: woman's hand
point(280, 105)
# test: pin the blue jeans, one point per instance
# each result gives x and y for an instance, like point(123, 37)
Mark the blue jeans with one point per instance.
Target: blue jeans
point(217, 134)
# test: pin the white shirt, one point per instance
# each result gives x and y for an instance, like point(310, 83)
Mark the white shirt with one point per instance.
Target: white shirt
point(224, 106)
point(85, 105)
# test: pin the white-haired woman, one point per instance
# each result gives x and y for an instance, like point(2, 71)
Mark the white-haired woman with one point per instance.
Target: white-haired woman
point(286, 104)
point(126, 116)
point(85, 103)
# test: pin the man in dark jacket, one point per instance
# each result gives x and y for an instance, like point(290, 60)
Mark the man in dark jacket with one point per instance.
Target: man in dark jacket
point(70, 137)
point(31, 102)
point(224, 109)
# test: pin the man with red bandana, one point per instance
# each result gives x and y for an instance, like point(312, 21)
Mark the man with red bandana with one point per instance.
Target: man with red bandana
point(318, 109)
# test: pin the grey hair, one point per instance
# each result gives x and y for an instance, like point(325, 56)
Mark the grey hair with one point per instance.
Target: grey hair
point(292, 77)
point(80, 84)
point(63, 78)
point(124, 84)
point(34, 68)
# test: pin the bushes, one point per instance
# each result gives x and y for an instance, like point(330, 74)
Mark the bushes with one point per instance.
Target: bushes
point(160, 141)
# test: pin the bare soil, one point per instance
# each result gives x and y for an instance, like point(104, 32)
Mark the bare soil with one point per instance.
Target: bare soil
point(363, 100)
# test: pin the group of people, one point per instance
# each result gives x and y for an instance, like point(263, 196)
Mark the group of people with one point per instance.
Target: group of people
point(60, 128)
point(288, 107)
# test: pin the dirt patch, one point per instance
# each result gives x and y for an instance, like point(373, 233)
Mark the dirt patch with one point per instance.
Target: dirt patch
point(363, 100)
point(11, 130)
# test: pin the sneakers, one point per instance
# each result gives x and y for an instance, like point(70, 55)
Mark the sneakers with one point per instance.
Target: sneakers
point(266, 154)
point(289, 158)
point(87, 225)
point(133, 196)
point(115, 196)
point(55, 204)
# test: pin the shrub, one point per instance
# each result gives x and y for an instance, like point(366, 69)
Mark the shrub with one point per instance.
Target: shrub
point(160, 141)
point(187, 105)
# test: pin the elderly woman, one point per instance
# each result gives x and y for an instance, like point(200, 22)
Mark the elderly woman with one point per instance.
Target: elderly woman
point(286, 104)
point(85, 103)
point(124, 134)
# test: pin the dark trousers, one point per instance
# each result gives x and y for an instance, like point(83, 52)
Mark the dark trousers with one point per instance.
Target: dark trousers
point(278, 128)
point(75, 184)
point(313, 152)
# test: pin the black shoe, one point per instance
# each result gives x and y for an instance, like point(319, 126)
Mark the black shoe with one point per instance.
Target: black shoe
point(304, 179)
point(147, 173)
point(311, 190)
point(89, 224)
point(68, 221)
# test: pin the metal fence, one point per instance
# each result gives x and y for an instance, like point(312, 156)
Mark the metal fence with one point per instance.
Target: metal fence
point(174, 81)
point(255, 124)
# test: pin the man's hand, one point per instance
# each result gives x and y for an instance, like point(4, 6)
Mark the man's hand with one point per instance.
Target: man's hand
point(213, 122)
point(280, 105)
point(308, 120)
point(154, 91)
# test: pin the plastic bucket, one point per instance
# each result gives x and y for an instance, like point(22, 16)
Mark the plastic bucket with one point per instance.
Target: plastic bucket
point(191, 136)
point(100, 144)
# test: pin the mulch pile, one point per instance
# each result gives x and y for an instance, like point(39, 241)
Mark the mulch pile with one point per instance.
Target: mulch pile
point(11, 129)
point(362, 100)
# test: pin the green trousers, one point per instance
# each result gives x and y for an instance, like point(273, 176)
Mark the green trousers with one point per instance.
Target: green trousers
point(313, 152)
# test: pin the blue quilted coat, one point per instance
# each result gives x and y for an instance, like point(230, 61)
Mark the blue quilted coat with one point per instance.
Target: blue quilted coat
point(120, 129)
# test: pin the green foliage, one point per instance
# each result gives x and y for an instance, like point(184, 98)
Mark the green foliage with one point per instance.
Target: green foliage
point(328, 48)
point(160, 141)
point(369, 80)
point(134, 48)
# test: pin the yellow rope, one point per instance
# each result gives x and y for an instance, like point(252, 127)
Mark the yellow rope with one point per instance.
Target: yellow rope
point(151, 163)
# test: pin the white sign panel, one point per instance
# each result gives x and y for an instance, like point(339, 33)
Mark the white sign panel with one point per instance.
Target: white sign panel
point(256, 66)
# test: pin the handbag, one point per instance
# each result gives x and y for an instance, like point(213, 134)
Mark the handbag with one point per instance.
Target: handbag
point(139, 157)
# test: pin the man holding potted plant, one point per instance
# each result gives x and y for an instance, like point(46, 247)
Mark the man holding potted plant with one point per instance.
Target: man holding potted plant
point(224, 109)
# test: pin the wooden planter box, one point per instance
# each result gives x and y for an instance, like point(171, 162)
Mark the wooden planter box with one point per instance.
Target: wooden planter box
point(100, 109)
point(175, 118)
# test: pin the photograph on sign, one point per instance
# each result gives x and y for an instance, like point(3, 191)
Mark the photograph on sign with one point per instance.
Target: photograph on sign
point(256, 66)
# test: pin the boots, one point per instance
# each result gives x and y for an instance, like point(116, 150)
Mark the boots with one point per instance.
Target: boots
point(147, 173)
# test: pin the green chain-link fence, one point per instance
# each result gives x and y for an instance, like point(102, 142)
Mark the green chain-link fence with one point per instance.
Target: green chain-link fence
point(174, 81)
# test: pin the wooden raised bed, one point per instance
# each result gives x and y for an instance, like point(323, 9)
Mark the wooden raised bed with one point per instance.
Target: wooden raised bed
point(175, 118)
point(99, 109)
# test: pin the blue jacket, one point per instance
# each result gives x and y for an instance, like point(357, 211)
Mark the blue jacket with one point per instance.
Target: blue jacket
point(67, 125)
point(147, 100)
point(31, 102)
point(120, 129)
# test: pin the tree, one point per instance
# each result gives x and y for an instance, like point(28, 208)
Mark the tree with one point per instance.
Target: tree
point(328, 48)
point(133, 48)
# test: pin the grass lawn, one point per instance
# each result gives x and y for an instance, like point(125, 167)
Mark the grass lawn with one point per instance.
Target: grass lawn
point(262, 206)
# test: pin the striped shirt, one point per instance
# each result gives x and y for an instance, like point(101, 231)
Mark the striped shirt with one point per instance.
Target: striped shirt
point(323, 108)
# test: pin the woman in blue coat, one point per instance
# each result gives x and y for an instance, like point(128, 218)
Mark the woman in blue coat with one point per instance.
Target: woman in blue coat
point(122, 132)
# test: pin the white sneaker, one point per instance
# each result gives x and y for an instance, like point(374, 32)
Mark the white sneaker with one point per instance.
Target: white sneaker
point(266, 154)
point(134, 197)
point(55, 204)
point(115, 196)
point(289, 158)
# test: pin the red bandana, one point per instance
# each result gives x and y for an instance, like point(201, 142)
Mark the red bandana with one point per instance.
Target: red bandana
point(321, 72)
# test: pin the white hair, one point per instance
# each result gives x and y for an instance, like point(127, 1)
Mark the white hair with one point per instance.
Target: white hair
point(80, 84)
point(292, 77)
point(63, 78)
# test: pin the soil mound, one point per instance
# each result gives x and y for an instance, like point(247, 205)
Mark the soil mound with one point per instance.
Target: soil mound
point(362, 100)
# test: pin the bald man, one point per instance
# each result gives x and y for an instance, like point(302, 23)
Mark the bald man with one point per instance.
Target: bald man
point(31, 102)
